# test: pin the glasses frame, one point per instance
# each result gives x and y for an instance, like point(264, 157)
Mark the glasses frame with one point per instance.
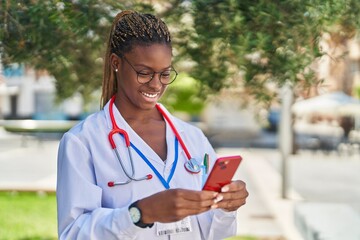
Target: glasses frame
point(153, 73)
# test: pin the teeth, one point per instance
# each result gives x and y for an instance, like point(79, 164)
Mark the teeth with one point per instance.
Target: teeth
point(149, 95)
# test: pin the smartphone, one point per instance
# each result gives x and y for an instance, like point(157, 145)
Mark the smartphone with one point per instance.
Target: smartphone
point(222, 172)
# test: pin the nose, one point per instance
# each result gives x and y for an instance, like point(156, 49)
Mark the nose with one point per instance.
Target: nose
point(155, 81)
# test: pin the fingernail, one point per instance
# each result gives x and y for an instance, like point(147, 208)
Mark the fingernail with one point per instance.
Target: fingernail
point(218, 198)
point(214, 206)
point(225, 189)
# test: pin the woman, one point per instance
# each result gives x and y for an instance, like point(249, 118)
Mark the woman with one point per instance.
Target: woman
point(96, 199)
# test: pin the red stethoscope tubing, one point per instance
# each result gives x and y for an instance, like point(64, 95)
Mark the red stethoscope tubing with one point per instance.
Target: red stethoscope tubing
point(174, 130)
point(115, 128)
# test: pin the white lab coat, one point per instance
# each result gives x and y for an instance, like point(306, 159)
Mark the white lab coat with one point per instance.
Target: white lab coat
point(89, 209)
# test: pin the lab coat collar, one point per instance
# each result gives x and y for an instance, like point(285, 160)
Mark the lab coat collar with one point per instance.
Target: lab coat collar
point(117, 116)
point(107, 115)
point(121, 122)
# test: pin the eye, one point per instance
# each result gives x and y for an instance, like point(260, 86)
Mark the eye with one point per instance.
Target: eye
point(145, 74)
point(166, 74)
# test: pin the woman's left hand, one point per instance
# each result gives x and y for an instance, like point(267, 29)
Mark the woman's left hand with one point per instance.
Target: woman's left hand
point(232, 196)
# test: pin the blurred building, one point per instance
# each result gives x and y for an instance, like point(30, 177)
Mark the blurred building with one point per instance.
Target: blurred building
point(29, 94)
point(330, 112)
point(339, 68)
point(229, 122)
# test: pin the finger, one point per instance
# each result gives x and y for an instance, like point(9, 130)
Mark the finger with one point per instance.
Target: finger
point(180, 213)
point(230, 205)
point(231, 200)
point(191, 195)
point(235, 195)
point(175, 204)
point(188, 199)
point(234, 186)
point(194, 205)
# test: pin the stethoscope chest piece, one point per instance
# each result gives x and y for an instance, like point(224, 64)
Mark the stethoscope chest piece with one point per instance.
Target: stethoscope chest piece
point(192, 166)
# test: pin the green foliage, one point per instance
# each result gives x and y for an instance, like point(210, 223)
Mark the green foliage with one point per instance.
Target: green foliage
point(357, 92)
point(266, 42)
point(64, 37)
point(27, 216)
point(183, 96)
point(270, 41)
point(341, 13)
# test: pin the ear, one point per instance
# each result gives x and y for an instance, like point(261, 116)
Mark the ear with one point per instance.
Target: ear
point(114, 61)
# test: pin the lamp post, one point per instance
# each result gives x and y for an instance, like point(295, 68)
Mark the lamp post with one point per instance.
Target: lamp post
point(285, 134)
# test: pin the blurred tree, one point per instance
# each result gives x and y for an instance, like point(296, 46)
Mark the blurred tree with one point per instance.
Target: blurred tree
point(64, 37)
point(336, 43)
point(259, 44)
point(250, 43)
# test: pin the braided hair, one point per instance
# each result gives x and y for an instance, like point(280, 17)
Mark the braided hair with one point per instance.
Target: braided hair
point(130, 29)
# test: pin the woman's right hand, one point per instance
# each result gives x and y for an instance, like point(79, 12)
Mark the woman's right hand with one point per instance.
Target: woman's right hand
point(175, 204)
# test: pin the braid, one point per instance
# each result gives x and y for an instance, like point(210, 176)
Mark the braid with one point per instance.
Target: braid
point(130, 29)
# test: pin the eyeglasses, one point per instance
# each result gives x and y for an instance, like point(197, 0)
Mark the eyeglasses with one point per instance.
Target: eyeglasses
point(144, 76)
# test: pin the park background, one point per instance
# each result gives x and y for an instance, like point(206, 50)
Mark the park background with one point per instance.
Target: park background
point(246, 70)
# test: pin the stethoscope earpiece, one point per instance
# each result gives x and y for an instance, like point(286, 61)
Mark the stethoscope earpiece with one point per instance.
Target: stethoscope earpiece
point(113, 184)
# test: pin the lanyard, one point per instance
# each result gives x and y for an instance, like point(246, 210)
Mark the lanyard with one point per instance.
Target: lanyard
point(164, 182)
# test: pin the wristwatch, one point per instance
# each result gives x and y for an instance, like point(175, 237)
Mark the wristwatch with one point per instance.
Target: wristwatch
point(135, 215)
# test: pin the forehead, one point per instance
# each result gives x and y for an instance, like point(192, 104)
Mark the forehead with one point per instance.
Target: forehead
point(151, 53)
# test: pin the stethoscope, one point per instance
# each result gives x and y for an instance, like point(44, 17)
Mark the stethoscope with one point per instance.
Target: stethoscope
point(191, 165)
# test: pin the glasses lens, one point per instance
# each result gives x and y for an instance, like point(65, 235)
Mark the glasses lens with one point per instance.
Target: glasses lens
point(144, 77)
point(168, 77)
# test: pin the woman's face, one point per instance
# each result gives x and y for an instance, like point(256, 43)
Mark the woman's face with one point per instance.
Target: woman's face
point(144, 59)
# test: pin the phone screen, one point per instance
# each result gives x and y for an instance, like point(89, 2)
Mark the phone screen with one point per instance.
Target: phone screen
point(222, 172)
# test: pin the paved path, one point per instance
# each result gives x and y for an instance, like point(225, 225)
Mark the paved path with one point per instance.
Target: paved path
point(321, 177)
point(30, 168)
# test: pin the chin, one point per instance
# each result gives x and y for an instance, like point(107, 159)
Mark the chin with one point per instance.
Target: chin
point(147, 106)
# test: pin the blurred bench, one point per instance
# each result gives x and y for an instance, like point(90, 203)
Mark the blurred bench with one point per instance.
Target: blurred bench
point(318, 136)
point(29, 127)
point(327, 221)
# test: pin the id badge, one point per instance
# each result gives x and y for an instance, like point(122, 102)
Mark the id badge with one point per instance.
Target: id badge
point(181, 226)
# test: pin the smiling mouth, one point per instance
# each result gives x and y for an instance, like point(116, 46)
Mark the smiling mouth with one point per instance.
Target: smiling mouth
point(149, 95)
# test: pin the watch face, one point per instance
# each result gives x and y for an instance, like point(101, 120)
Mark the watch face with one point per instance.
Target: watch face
point(135, 214)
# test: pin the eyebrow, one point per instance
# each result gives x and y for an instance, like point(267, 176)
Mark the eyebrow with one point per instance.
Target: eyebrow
point(145, 66)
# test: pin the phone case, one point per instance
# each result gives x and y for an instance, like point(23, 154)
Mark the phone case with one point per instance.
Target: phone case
point(222, 172)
